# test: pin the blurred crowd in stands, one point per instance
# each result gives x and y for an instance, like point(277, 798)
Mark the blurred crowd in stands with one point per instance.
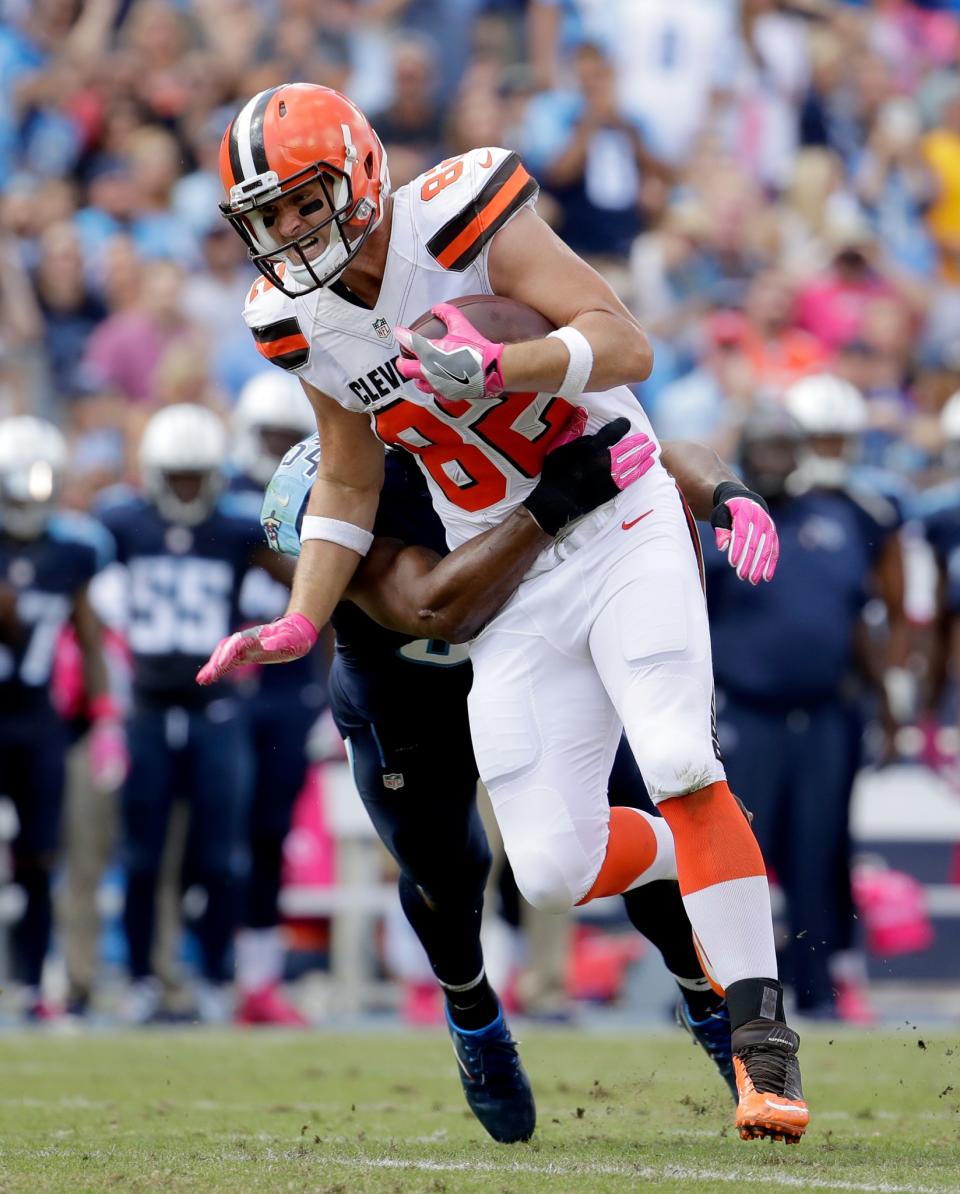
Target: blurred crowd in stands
point(772, 186)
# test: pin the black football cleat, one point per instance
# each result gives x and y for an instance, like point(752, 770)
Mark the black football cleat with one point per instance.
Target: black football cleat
point(493, 1079)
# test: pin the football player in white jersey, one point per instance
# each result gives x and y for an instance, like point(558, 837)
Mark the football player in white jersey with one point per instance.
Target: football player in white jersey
point(609, 624)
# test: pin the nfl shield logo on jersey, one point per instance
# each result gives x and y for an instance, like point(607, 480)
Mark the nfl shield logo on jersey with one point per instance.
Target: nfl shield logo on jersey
point(271, 528)
point(393, 781)
point(382, 328)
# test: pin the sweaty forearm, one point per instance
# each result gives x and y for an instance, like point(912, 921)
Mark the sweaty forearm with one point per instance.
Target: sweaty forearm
point(698, 470)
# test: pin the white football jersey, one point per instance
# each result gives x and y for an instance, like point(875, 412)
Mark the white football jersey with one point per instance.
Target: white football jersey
point(480, 458)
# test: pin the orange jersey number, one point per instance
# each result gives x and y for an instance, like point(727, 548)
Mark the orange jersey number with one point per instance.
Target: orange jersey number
point(444, 174)
point(471, 477)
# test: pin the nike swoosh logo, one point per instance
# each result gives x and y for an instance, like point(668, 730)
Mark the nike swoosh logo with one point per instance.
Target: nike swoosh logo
point(785, 1107)
point(462, 1066)
point(488, 163)
point(462, 378)
point(627, 525)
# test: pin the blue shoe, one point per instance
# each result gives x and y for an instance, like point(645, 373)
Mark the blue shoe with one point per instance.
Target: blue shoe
point(493, 1079)
point(712, 1035)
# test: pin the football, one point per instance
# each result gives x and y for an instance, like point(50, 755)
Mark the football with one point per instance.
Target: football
point(503, 320)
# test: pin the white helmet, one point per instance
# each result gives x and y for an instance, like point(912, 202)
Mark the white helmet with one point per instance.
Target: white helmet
point(824, 404)
point(270, 401)
point(183, 438)
point(950, 418)
point(33, 458)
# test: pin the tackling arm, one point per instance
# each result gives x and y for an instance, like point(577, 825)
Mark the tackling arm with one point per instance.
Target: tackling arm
point(415, 591)
point(740, 518)
point(698, 470)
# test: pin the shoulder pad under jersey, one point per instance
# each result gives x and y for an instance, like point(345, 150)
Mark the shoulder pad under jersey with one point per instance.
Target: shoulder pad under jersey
point(271, 316)
point(460, 204)
point(286, 496)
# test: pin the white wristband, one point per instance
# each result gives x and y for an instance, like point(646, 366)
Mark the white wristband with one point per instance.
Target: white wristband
point(580, 365)
point(347, 534)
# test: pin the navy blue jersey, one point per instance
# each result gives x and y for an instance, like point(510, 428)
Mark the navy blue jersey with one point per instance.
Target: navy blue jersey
point(938, 511)
point(385, 665)
point(47, 573)
point(183, 590)
point(792, 641)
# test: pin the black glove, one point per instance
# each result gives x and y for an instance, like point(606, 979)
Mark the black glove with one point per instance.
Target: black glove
point(576, 478)
point(721, 518)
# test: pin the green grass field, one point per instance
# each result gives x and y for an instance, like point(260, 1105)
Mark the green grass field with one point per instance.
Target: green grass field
point(350, 1114)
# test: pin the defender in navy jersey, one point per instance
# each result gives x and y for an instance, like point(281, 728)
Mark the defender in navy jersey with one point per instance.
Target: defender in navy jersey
point(281, 704)
point(47, 561)
point(400, 702)
point(185, 548)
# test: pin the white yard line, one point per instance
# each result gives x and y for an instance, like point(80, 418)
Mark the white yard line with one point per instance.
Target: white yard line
point(641, 1172)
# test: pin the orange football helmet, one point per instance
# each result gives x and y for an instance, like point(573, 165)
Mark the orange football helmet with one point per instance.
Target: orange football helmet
point(288, 138)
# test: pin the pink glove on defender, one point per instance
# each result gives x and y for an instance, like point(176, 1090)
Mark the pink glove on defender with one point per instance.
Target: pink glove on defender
point(745, 531)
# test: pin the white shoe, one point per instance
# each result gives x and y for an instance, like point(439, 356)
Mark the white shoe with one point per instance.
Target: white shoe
point(141, 1004)
point(214, 1002)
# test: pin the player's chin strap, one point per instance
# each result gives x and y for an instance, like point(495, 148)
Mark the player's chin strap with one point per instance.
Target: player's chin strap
point(346, 534)
point(580, 365)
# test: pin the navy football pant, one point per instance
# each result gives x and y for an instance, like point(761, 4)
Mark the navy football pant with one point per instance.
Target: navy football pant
point(32, 754)
point(794, 771)
point(202, 756)
point(417, 778)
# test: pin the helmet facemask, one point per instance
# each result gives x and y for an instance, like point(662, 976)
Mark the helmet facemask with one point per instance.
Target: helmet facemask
point(185, 497)
point(296, 266)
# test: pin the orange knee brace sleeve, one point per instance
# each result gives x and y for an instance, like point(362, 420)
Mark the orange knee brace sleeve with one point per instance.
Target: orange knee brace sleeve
point(713, 839)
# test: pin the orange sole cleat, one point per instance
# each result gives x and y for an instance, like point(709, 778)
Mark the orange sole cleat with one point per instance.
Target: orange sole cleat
point(770, 1116)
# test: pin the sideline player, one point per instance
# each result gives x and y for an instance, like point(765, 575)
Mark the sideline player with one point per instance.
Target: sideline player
point(47, 561)
point(185, 548)
point(609, 625)
point(412, 759)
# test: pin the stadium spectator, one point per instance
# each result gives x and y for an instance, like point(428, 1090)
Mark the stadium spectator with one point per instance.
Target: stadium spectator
point(124, 351)
point(592, 158)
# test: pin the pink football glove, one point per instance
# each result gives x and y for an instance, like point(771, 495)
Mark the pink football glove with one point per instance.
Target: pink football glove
point(462, 364)
point(745, 531)
point(286, 639)
point(631, 458)
point(107, 757)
